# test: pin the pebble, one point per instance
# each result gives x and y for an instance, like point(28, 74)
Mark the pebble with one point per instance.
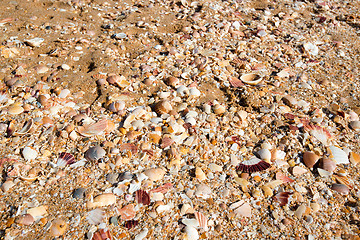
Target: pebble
point(300, 211)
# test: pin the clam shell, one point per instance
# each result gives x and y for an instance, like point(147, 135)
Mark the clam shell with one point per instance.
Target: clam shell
point(93, 129)
point(15, 109)
point(26, 128)
point(95, 216)
point(102, 200)
point(65, 159)
point(95, 153)
point(191, 233)
point(244, 210)
point(58, 227)
point(264, 154)
point(327, 164)
point(37, 211)
point(25, 219)
point(251, 78)
point(172, 81)
point(154, 174)
point(297, 171)
point(116, 106)
point(340, 188)
point(339, 155)
point(310, 159)
point(29, 153)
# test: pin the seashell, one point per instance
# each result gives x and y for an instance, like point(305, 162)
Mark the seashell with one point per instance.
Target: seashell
point(327, 164)
point(283, 178)
point(26, 128)
point(128, 212)
point(251, 78)
point(166, 142)
point(35, 42)
point(65, 159)
point(199, 174)
point(202, 191)
point(172, 81)
point(339, 156)
point(142, 234)
point(182, 91)
point(273, 184)
point(154, 174)
point(37, 211)
point(15, 109)
point(310, 159)
point(162, 107)
point(58, 227)
point(102, 200)
point(355, 125)
point(10, 129)
point(297, 171)
point(117, 80)
point(25, 219)
point(79, 193)
point(194, 92)
point(7, 185)
point(354, 158)
point(131, 224)
point(268, 192)
point(320, 133)
point(154, 138)
point(323, 173)
point(340, 188)
point(95, 153)
point(191, 233)
point(290, 101)
point(95, 216)
point(190, 222)
point(315, 207)
point(235, 82)
point(163, 189)
point(202, 220)
point(219, 109)
point(142, 197)
point(244, 210)
point(116, 106)
point(243, 183)
point(264, 154)
point(282, 198)
point(29, 153)
point(343, 180)
point(93, 129)
point(101, 234)
point(300, 211)
point(253, 165)
point(129, 147)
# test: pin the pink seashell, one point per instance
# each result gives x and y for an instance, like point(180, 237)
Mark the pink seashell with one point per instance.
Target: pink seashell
point(93, 129)
point(202, 220)
point(253, 165)
point(244, 210)
point(282, 198)
point(142, 197)
point(283, 177)
point(65, 159)
point(235, 82)
point(102, 235)
point(128, 212)
point(166, 142)
point(163, 189)
point(130, 147)
point(318, 132)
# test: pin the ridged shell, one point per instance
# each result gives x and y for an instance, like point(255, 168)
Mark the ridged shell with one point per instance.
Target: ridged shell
point(93, 129)
point(102, 235)
point(142, 197)
point(95, 216)
point(162, 107)
point(116, 106)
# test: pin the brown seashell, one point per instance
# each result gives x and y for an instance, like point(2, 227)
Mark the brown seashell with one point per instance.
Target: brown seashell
point(327, 164)
point(119, 81)
point(172, 81)
point(128, 212)
point(354, 158)
point(343, 180)
point(340, 188)
point(93, 129)
point(142, 197)
point(25, 219)
point(131, 224)
point(65, 159)
point(290, 101)
point(310, 159)
point(43, 100)
point(58, 227)
point(166, 142)
point(129, 147)
point(252, 165)
point(282, 198)
point(162, 107)
point(101, 234)
point(235, 82)
point(251, 78)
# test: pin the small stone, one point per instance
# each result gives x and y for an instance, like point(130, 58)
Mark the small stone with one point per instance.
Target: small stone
point(114, 220)
point(29, 153)
point(79, 193)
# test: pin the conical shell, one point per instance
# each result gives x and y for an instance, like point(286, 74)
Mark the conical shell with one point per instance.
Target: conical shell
point(310, 159)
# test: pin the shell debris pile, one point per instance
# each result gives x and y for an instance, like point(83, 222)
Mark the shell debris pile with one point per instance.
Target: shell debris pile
point(179, 120)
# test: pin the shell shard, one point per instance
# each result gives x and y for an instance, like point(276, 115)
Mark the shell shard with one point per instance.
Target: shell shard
point(320, 133)
point(65, 159)
point(101, 234)
point(339, 155)
point(129, 147)
point(26, 128)
point(95, 216)
point(142, 197)
point(283, 178)
point(93, 129)
point(282, 198)
point(131, 224)
point(202, 220)
point(235, 82)
point(253, 165)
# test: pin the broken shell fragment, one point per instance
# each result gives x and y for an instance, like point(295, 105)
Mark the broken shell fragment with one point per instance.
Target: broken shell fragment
point(95, 216)
point(128, 212)
point(34, 42)
point(251, 78)
point(102, 234)
point(327, 164)
point(95, 153)
point(29, 153)
point(154, 174)
point(25, 219)
point(93, 129)
point(355, 125)
point(142, 197)
point(282, 198)
point(162, 107)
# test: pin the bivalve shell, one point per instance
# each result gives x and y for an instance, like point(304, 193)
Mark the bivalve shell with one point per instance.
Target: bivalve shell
point(327, 164)
point(58, 227)
point(310, 159)
point(355, 125)
point(251, 78)
point(154, 174)
point(340, 188)
point(101, 200)
point(95, 153)
point(15, 109)
point(162, 107)
point(25, 219)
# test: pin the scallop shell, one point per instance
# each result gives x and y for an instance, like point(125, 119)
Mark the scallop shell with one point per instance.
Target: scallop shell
point(235, 82)
point(131, 224)
point(251, 78)
point(253, 165)
point(95, 216)
point(101, 234)
point(202, 220)
point(162, 107)
point(65, 159)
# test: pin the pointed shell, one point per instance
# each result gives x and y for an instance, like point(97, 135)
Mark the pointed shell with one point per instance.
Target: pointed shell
point(58, 227)
point(310, 159)
point(251, 78)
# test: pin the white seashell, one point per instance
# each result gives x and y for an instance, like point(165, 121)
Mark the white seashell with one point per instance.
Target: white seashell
point(37, 212)
point(35, 42)
point(191, 120)
point(203, 191)
point(339, 155)
point(138, 124)
point(64, 93)
point(191, 233)
point(164, 95)
point(264, 154)
point(207, 108)
point(194, 92)
point(142, 234)
point(29, 153)
point(182, 90)
point(163, 208)
point(323, 173)
point(244, 210)
point(312, 49)
point(95, 216)
point(251, 78)
point(297, 171)
point(191, 114)
point(190, 222)
point(300, 211)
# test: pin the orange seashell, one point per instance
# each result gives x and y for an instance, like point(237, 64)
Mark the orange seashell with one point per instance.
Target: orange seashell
point(202, 220)
point(128, 212)
point(283, 177)
point(93, 129)
point(354, 158)
point(162, 107)
point(310, 159)
point(154, 138)
point(163, 189)
point(58, 227)
point(102, 235)
point(235, 82)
